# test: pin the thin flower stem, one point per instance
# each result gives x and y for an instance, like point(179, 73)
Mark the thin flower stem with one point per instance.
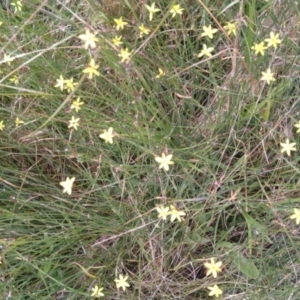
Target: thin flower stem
point(123, 233)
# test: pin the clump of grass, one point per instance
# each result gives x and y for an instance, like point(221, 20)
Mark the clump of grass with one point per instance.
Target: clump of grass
point(149, 151)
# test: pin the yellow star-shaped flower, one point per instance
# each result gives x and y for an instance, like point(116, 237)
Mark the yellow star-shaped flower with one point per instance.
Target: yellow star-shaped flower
point(273, 40)
point(176, 10)
point(230, 28)
point(89, 38)
point(296, 215)
point(143, 30)
point(18, 122)
point(259, 48)
point(122, 282)
point(288, 147)
point(91, 69)
point(268, 76)
point(161, 73)
point(73, 123)
point(7, 59)
point(97, 292)
point(70, 85)
point(206, 51)
point(213, 268)
point(215, 291)
point(163, 212)
point(117, 40)
point(14, 79)
point(125, 55)
point(107, 135)
point(1, 125)
point(164, 161)
point(120, 23)
point(208, 31)
point(67, 185)
point(297, 125)
point(152, 10)
point(17, 5)
point(76, 104)
point(176, 214)
point(60, 82)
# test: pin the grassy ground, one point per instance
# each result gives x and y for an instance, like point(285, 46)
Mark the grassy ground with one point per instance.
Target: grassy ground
point(222, 124)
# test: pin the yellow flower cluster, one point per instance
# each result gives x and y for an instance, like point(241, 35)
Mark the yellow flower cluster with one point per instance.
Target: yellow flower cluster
point(69, 85)
point(121, 282)
point(230, 29)
point(65, 84)
point(287, 146)
point(273, 40)
point(90, 41)
point(259, 48)
point(213, 269)
point(208, 31)
point(125, 54)
point(164, 212)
